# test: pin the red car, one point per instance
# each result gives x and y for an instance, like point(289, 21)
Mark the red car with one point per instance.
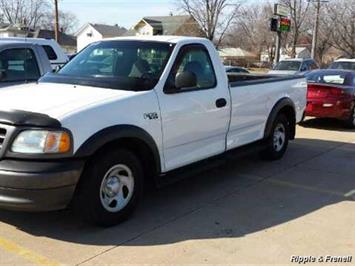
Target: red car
point(331, 94)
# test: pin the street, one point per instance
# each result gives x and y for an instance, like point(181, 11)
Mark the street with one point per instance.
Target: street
point(246, 211)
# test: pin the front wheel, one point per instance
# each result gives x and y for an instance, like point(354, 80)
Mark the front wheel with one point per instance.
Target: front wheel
point(110, 187)
point(277, 142)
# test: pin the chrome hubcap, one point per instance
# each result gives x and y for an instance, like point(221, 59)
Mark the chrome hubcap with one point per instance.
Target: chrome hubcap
point(279, 137)
point(117, 188)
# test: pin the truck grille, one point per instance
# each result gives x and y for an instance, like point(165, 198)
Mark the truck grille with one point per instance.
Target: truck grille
point(2, 136)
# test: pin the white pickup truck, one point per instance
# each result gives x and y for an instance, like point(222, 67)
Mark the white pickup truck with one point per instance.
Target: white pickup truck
point(130, 110)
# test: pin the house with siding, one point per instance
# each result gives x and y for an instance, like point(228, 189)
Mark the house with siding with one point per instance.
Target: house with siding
point(90, 33)
point(166, 25)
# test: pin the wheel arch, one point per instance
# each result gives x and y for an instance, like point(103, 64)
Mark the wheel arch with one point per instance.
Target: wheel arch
point(287, 107)
point(124, 136)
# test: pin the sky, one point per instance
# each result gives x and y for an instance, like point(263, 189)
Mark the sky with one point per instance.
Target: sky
point(122, 12)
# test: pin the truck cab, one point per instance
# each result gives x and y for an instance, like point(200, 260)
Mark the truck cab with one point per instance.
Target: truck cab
point(54, 52)
point(21, 63)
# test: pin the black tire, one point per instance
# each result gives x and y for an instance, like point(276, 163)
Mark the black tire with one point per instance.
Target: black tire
point(276, 151)
point(350, 123)
point(89, 193)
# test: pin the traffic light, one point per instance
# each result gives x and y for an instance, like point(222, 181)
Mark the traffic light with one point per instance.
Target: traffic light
point(274, 24)
point(285, 25)
point(280, 24)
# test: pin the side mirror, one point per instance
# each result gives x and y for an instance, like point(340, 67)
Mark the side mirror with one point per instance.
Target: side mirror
point(57, 68)
point(185, 79)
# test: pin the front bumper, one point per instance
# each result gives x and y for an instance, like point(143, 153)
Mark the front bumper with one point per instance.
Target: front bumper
point(38, 186)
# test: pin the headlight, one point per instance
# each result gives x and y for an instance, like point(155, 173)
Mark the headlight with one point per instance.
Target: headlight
point(42, 141)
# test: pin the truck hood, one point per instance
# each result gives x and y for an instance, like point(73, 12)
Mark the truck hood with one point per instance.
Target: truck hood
point(55, 100)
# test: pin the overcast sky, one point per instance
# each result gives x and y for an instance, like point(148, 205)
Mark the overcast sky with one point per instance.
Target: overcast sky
point(122, 12)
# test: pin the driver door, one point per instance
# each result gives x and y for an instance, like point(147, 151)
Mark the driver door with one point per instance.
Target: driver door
point(194, 119)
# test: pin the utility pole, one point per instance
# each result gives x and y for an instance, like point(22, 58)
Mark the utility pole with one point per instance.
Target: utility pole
point(315, 31)
point(56, 23)
point(278, 46)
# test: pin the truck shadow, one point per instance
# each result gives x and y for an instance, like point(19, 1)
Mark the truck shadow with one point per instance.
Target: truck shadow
point(240, 197)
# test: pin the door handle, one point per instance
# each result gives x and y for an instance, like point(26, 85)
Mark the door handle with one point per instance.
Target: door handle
point(221, 103)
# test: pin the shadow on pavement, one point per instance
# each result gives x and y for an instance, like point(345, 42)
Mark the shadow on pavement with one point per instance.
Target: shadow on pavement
point(230, 201)
point(326, 124)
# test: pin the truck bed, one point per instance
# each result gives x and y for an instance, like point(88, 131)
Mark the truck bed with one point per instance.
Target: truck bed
point(242, 79)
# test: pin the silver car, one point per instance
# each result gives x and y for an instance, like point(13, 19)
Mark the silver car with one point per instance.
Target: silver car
point(294, 66)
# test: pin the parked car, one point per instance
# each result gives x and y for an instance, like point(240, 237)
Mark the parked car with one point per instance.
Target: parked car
point(54, 52)
point(98, 128)
point(331, 94)
point(343, 63)
point(22, 62)
point(294, 66)
point(236, 69)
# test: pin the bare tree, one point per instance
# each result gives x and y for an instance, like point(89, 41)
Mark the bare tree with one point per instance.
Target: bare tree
point(26, 12)
point(339, 22)
point(68, 21)
point(214, 16)
point(299, 9)
point(251, 29)
point(35, 14)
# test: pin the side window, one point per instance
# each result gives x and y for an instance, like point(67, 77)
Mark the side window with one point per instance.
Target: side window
point(18, 65)
point(31, 66)
point(304, 66)
point(50, 52)
point(196, 60)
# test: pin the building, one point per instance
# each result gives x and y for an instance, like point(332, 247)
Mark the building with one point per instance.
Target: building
point(236, 56)
point(90, 33)
point(66, 41)
point(10, 30)
point(166, 25)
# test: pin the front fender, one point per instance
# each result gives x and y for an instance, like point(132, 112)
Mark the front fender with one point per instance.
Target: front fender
point(115, 133)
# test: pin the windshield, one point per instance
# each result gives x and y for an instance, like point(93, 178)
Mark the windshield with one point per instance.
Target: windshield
point(126, 65)
point(336, 78)
point(343, 65)
point(288, 65)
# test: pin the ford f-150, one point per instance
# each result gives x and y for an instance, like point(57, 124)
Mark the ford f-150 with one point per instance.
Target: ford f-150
point(131, 110)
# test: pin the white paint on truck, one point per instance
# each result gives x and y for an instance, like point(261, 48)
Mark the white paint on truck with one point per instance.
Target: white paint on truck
point(190, 128)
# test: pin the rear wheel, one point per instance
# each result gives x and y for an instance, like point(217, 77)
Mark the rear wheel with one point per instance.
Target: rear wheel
point(277, 142)
point(110, 187)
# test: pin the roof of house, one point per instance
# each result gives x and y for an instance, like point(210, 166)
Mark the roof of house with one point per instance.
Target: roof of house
point(107, 31)
point(64, 39)
point(167, 24)
point(235, 52)
point(5, 27)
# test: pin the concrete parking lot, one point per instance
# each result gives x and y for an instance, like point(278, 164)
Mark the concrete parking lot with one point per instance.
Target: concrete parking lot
point(246, 211)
